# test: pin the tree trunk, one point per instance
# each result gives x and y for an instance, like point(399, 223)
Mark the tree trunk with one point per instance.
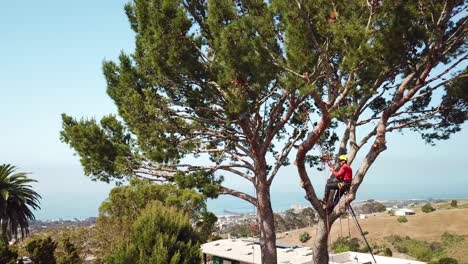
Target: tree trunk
point(320, 254)
point(267, 224)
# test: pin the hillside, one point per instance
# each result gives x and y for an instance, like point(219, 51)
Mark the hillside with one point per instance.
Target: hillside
point(421, 226)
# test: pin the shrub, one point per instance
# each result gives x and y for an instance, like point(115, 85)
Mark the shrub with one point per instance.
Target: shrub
point(401, 249)
point(388, 252)
point(304, 237)
point(393, 239)
point(160, 235)
point(391, 213)
point(427, 208)
point(71, 253)
point(436, 246)
point(372, 207)
point(382, 250)
point(402, 219)
point(41, 251)
point(448, 261)
point(7, 255)
point(454, 203)
point(344, 244)
point(418, 249)
point(451, 239)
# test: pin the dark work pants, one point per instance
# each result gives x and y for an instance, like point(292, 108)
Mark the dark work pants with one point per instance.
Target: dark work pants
point(333, 185)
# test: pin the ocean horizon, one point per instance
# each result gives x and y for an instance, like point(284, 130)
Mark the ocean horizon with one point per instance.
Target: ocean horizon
point(281, 201)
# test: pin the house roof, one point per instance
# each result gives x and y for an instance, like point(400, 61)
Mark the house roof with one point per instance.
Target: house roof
point(245, 250)
point(248, 251)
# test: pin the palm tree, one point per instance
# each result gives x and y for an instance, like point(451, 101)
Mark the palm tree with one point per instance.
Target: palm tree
point(16, 201)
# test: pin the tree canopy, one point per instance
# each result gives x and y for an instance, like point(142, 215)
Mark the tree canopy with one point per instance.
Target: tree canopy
point(237, 87)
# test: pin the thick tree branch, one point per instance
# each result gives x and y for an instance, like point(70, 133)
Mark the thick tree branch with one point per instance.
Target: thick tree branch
point(238, 194)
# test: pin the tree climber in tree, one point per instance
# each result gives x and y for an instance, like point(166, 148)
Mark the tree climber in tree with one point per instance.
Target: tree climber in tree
point(341, 182)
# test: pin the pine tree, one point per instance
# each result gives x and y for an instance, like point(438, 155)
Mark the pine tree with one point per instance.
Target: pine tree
point(247, 84)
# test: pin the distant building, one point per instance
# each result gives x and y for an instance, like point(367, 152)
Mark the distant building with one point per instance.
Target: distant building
point(298, 207)
point(404, 211)
point(245, 251)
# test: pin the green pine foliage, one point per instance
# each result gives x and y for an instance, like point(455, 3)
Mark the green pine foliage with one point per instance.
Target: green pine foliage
point(161, 235)
point(237, 81)
point(41, 251)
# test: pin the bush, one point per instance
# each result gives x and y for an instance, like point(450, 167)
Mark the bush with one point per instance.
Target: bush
point(382, 250)
point(418, 249)
point(7, 255)
point(160, 235)
point(394, 239)
point(344, 244)
point(427, 208)
point(371, 207)
point(391, 213)
point(401, 249)
point(70, 255)
point(41, 251)
point(388, 252)
point(454, 203)
point(436, 246)
point(402, 219)
point(448, 261)
point(451, 239)
point(304, 237)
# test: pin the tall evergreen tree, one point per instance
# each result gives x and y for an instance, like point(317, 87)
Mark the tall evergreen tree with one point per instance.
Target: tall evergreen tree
point(17, 198)
point(247, 81)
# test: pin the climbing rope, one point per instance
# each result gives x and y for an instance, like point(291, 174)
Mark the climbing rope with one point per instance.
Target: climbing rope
point(362, 233)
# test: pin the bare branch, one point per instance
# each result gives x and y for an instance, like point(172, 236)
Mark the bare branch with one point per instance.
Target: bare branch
point(239, 173)
point(238, 194)
point(284, 154)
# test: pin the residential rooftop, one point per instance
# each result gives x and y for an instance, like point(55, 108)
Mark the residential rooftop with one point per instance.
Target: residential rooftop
point(247, 251)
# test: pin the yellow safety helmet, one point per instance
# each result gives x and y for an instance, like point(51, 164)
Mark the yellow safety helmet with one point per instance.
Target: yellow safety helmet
point(343, 157)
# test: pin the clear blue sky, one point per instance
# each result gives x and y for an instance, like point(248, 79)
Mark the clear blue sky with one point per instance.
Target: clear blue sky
point(52, 52)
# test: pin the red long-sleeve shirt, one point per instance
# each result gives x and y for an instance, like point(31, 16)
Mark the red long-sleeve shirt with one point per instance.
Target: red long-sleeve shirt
point(345, 173)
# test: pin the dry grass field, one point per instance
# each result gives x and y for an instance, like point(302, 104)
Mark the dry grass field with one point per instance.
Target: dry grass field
point(421, 226)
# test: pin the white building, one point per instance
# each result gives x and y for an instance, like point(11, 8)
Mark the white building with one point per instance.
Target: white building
point(298, 207)
point(244, 251)
point(404, 211)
